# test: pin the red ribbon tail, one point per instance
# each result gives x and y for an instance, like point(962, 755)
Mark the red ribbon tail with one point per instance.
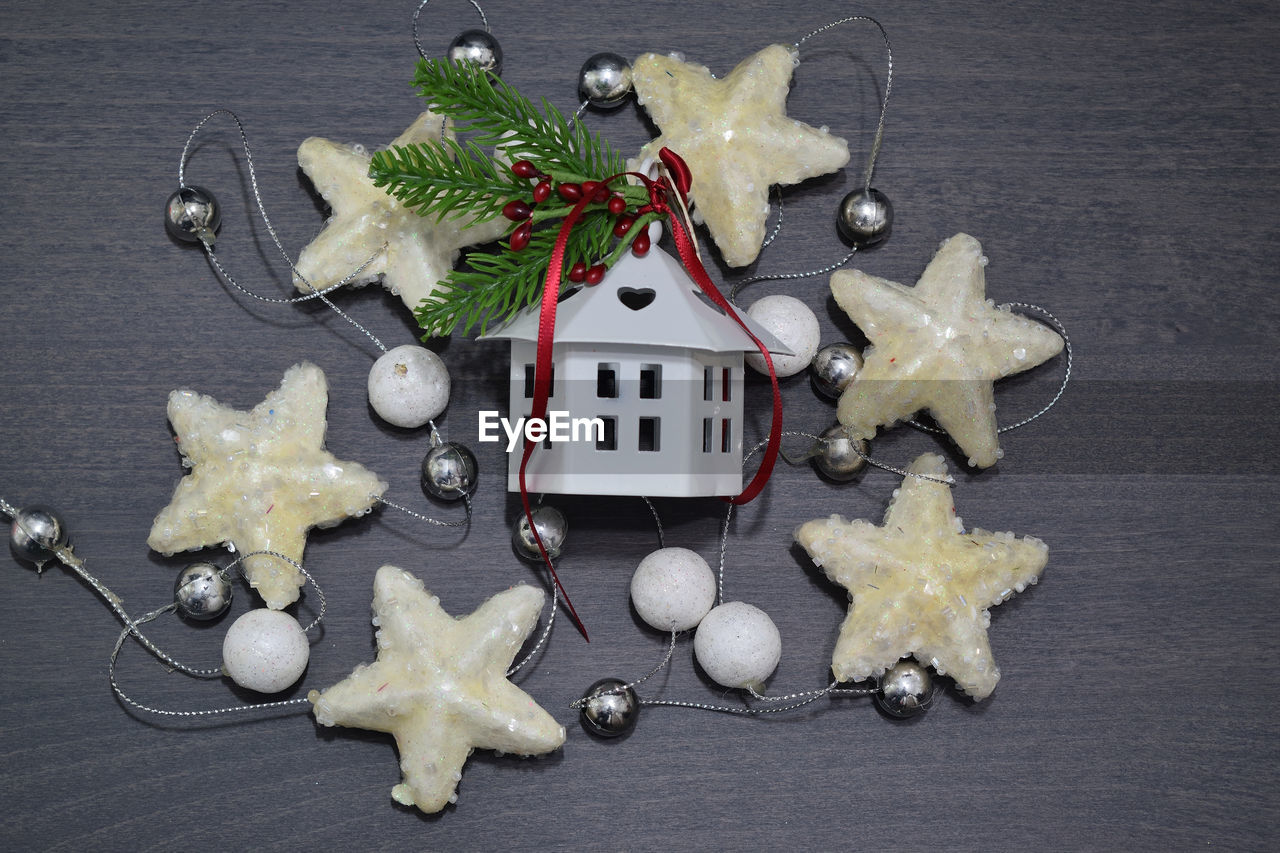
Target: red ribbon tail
point(542, 386)
point(542, 549)
point(689, 257)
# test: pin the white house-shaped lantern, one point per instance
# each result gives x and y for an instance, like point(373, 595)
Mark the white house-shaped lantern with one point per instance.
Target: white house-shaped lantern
point(661, 367)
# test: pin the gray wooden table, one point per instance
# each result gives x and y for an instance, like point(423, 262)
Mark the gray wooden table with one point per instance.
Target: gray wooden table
point(1117, 161)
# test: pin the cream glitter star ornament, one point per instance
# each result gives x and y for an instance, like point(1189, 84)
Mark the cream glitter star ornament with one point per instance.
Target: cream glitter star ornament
point(937, 346)
point(412, 253)
point(919, 584)
point(260, 480)
point(440, 686)
point(736, 138)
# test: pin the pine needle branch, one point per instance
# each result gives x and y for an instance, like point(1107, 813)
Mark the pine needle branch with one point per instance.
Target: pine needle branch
point(452, 178)
point(499, 115)
point(455, 179)
point(498, 286)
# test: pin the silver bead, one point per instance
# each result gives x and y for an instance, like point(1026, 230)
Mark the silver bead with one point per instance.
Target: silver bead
point(605, 80)
point(905, 690)
point(478, 47)
point(837, 455)
point(192, 215)
point(610, 714)
point(834, 367)
point(449, 471)
point(201, 592)
point(35, 533)
point(865, 219)
point(552, 528)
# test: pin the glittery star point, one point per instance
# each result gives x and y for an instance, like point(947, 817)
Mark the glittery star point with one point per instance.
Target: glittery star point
point(735, 135)
point(920, 584)
point(412, 253)
point(440, 686)
point(937, 346)
point(260, 480)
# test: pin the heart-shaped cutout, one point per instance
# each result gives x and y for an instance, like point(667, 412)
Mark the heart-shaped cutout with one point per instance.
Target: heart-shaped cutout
point(634, 298)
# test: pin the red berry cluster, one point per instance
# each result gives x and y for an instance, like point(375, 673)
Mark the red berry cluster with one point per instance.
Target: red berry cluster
point(522, 212)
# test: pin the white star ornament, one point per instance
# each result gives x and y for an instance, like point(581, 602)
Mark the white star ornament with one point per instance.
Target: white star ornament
point(736, 138)
point(440, 686)
point(411, 253)
point(919, 584)
point(260, 480)
point(937, 346)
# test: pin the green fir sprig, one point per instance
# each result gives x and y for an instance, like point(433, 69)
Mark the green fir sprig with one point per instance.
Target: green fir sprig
point(500, 115)
point(459, 179)
point(495, 286)
point(450, 179)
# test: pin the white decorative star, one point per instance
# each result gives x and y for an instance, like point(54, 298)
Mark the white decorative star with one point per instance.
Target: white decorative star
point(260, 480)
point(937, 346)
point(440, 687)
point(736, 138)
point(412, 253)
point(919, 584)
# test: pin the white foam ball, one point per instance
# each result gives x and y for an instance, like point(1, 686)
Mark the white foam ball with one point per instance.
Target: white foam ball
point(672, 589)
point(408, 386)
point(738, 645)
point(265, 650)
point(790, 321)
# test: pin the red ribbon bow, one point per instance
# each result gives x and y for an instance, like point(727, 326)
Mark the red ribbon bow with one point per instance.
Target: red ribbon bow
point(659, 192)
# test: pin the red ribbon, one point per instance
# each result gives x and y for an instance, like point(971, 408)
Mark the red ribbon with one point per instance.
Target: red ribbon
point(687, 250)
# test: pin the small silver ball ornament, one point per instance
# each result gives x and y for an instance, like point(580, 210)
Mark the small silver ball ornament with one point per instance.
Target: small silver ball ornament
point(834, 367)
point(838, 455)
point(865, 218)
point(611, 708)
point(449, 471)
point(605, 80)
point(905, 690)
point(478, 47)
point(35, 533)
point(192, 214)
point(201, 592)
point(552, 528)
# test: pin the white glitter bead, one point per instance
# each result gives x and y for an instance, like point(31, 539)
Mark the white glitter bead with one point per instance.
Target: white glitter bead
point(265, 650)
point(408, 386)
point(791, 322)
point(672, 589)
point(738, 645)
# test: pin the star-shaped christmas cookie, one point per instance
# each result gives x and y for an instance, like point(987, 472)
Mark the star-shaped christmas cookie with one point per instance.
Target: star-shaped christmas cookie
point(440, 686)
point(260, 480)
point(412, 253)
point(735, 135)
point(919, 584)
point(937, 346)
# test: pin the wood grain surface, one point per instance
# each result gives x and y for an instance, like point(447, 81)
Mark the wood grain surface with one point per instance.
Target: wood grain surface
point(1116, 159)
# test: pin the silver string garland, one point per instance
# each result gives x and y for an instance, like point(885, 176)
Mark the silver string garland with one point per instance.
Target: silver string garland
point(834, 367)
point(552, 529)
point(201, 592)
point(449, 471)
point(839, 457)
point(604, 81)
point(610, 708)
point(478, 47)
point(44, 538)
point(865, 218)
point(906, 690)
point(36, 534)
point(192, 214)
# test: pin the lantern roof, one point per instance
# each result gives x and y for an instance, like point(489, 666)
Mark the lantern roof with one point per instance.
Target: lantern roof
point(644, 301)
